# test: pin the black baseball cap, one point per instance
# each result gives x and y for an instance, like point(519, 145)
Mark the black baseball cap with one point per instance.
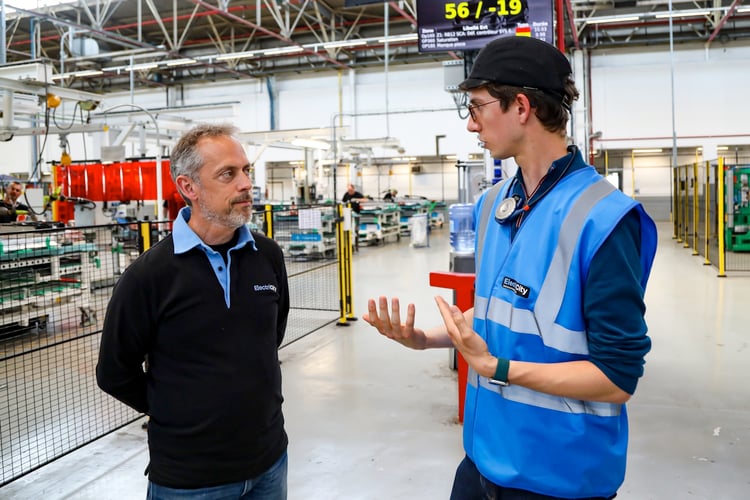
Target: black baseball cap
point(520, 61)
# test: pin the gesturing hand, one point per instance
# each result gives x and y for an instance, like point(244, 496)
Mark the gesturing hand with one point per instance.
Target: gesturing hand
point(465, 339)
point(390, 324)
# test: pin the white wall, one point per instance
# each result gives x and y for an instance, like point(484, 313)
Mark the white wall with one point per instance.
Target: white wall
point(631, 96)
point(630, 104)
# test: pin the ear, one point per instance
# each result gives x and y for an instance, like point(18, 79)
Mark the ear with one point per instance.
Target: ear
point(524, 109)
point(187, 187)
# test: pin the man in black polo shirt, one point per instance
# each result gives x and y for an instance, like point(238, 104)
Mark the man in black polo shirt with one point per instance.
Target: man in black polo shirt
point(207, 307)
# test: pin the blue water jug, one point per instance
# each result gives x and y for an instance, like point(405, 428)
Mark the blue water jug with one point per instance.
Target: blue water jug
point(461, 216)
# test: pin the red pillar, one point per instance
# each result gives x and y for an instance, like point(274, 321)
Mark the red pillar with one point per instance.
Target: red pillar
point(463, 285)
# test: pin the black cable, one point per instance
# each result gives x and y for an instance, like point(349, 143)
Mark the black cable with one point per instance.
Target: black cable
point(44, 144)
point(72, 120)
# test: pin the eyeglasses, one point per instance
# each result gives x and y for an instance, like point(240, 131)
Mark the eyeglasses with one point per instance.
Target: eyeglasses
point(474, 107)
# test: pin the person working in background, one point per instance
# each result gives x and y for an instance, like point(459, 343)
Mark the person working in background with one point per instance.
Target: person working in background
point(354, 197)
point(207, 306)
point(556, 339)
point(390, 195)
point(10, 206)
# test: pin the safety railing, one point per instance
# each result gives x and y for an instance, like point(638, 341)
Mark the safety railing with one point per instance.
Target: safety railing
point(55, 284)
point(711, 212)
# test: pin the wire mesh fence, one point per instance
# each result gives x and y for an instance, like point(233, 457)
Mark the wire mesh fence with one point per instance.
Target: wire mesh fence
point(55, 285)
point(711, 208)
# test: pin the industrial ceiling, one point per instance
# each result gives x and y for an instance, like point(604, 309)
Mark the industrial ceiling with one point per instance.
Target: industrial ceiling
point(108, 45)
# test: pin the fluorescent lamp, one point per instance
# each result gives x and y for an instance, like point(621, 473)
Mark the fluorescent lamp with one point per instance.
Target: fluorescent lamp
point(603, 20)
point(743, 9)
point(87, 72)
point(281, 50)
point(181, 62)
point(344, 43)
point(684, 13)
point(235, 55)
point(722, 148)
point(399, 38)
point(654, 150)
point(143, 66)
point(310, 143)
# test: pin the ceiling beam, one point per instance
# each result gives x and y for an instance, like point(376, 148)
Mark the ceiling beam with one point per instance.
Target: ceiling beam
point(268, 32)
point(723, 21)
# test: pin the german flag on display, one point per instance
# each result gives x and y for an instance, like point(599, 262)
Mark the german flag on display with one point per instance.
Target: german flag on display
point(523, 29)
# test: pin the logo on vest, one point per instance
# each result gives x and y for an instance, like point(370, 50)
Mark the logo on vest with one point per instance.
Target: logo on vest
point(264, 288)
point(516, 287)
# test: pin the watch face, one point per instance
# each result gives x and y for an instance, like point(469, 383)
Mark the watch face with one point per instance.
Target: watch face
point(506, 209)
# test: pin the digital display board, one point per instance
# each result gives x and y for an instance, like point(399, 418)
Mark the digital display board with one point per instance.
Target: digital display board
point(445, 25)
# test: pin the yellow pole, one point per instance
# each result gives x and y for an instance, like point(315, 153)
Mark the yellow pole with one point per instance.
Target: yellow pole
point(721, 217)
point(674, 215)
point(341, 252)
point(269, 221)
point(606, 163)
point(695, 208)
point(145, 235)
point(685, 209)
point(707, 213)
point(348, 249)
point(678, 205)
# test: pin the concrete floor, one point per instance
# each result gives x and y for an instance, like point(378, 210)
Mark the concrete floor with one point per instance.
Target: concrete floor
point(368, 419)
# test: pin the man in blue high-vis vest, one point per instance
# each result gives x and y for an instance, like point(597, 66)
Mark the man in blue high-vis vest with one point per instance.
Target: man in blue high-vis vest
point(556, 340)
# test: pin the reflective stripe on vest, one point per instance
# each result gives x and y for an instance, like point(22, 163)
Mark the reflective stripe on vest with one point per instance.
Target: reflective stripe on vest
point(489, 204)
point(541, 400)
point(541, 321)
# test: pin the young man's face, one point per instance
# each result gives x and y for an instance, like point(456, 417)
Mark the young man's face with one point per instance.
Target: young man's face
point(497, 129)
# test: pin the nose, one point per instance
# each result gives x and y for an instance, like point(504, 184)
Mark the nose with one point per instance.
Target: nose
point(471, 125)
point(246, 183)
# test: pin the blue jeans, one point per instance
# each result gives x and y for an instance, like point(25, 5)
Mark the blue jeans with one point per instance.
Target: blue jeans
point(470, 484)
point(271, 485)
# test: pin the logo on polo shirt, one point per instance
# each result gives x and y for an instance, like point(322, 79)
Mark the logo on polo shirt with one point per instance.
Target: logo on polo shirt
point(264, 288)
point(516, 287)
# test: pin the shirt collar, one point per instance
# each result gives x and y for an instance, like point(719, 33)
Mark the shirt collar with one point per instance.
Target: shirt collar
point(185, 238)
point(556, 171)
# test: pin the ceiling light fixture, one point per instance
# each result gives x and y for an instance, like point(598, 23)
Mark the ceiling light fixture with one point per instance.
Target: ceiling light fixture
point(399, 38)
point(282, 50)
point(605, 20)
point(143, 66)
point(344, 43)
point(684, 13)
point(235, 55)
point(74, 74)
point(181, 62)
point(653, 150)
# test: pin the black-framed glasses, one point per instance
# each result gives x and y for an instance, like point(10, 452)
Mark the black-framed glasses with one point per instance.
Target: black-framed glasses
point(473, 107)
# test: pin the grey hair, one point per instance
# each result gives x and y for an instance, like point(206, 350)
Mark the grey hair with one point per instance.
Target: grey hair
point(185, 158)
